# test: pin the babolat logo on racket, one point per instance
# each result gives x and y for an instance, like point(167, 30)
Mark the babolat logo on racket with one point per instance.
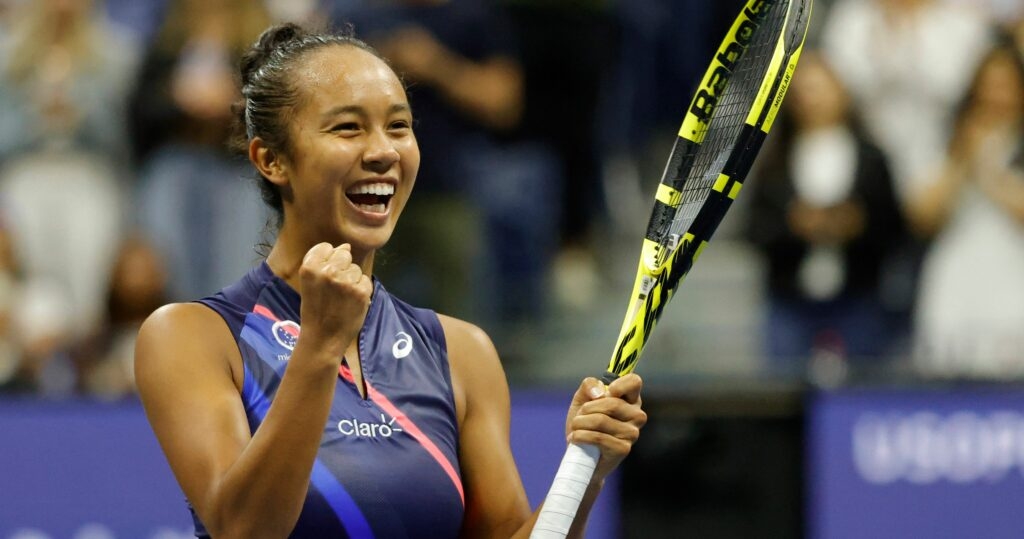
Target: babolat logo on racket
point(714, 83)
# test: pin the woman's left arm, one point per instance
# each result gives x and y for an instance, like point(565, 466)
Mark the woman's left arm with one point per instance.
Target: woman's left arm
point(496, 503)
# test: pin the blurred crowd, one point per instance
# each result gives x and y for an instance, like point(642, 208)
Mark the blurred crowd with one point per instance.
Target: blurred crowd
point(888, 206)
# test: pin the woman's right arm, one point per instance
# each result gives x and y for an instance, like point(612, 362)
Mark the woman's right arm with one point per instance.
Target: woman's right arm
point(187, 369)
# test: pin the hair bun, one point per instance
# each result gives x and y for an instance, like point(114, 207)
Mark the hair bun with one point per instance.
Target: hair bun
point(272, 39)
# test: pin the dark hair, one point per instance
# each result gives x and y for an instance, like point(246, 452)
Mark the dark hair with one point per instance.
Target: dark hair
point(1003, 45)
point(269, 91)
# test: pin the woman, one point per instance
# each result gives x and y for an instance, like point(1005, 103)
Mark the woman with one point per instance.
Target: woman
point(825, 215)
point(971, 304)
point(413, 440)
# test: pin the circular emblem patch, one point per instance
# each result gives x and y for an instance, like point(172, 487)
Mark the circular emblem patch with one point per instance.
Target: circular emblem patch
point(286, 333)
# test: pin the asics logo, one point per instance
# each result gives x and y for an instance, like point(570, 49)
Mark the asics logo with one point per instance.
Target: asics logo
point(403, 346)
point(362, 429)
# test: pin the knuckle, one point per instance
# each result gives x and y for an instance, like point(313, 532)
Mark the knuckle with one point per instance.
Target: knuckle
point(308, 270)
point(600, 423)
point(584, 437)
point(593, 408)
point(632, 433)
point(622, 447)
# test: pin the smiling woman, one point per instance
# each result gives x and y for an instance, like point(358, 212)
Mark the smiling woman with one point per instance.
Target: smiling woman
point(320, 396)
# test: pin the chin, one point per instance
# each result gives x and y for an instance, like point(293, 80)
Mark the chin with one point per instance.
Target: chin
point(367, 240)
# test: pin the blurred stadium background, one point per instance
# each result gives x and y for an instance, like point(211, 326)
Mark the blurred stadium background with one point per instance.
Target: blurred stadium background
point(844, 361)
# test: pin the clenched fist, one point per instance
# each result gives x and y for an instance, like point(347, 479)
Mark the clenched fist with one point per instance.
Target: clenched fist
point(335, 298)
point(609, 417)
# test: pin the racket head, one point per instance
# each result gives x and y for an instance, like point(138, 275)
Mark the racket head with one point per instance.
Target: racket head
point(727, 121)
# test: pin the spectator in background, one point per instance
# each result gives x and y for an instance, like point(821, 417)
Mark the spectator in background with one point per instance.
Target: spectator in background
point(824, 214)
point(905, 62)
point(970, 315)
point(193, 200)
point(35, 329)
point(64, 75)
point(478, 240)
point(137, 288)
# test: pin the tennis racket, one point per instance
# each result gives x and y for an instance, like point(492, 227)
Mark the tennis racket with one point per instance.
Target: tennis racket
point(727, 122)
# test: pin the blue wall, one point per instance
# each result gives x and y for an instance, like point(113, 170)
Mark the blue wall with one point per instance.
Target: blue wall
point(916, 463)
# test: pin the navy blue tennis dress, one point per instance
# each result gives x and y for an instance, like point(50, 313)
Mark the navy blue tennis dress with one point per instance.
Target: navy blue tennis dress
point(387, 464)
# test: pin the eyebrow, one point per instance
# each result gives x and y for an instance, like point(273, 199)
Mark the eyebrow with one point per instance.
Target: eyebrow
point(357, 109)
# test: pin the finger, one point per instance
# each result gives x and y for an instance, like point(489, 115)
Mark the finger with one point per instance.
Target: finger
point(352, 274)
point(343, 248)
point(365, 285)
point(590, 388)
point(318, 252)
point(615, 408)
point(340, 257)
point(609, 445)
point(623, 430)
point(627, 388)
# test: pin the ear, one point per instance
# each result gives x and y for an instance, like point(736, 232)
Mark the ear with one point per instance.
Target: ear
point(268, 162)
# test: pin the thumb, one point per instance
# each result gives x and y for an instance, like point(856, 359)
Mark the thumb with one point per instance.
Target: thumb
point(590, 389)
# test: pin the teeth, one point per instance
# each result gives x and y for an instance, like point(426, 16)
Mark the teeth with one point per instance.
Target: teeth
point(382, 189)
point(373, 208)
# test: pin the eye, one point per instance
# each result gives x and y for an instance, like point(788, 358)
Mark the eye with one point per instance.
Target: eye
point(344, 127)
point(399, 125)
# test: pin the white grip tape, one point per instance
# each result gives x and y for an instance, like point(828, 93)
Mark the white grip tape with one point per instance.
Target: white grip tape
point(566, 492)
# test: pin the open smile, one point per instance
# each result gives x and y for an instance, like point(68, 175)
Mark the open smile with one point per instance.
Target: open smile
point(371, 197)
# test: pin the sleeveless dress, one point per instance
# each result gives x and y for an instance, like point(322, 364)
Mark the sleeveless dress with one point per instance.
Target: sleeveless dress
point(387, 464)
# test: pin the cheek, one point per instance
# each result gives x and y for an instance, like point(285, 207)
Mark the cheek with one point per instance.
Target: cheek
point(411, 156)
point(323, 170)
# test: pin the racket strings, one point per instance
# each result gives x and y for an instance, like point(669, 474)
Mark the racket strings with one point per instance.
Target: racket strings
point(723, 129)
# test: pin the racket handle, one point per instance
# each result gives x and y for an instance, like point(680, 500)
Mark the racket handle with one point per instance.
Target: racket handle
point(563, 500)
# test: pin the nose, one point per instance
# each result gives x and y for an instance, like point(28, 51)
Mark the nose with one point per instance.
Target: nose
point(380, 153)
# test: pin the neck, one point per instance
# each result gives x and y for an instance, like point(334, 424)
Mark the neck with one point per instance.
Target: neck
point(290, 249)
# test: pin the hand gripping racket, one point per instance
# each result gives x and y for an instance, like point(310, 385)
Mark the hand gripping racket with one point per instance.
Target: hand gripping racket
point(724, 128)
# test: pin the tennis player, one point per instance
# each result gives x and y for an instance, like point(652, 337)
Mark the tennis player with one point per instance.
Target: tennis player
point(307, 401)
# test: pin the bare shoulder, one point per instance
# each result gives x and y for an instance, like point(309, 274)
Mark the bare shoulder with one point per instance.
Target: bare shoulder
point(176, 317)
point(465, 338)
point(183, 325)
point(188, 338)
point(476, 370)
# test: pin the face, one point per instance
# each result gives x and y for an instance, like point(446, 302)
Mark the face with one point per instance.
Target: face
point(816, 97)
point(353, 157)
point(1000, 88)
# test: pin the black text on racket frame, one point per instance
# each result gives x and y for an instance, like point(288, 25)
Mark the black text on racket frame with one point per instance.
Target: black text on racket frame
point(721, 134)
